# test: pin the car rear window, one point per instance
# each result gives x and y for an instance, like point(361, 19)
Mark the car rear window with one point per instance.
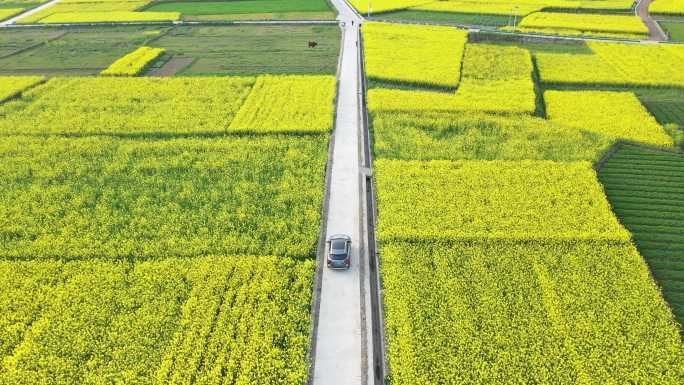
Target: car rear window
point(338, 244)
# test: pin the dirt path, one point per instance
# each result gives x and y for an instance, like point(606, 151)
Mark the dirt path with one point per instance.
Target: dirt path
point(656, 33)
point(172, 66)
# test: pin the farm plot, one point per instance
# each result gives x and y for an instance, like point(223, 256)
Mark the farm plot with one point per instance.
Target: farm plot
point(675, 30)
point(613, 64)
point(495, 79)
point(11, 86)
point(428, 135)
point(233, 319)
point(247, 9)
point(492, 199)
point(109, 17)
point(489, 117)
point(251, 50)
point(414, 55)
point(103, 197)
point(645, 188)
point(631, 27)
point(619, 115)
point(6, 13)
point(288, 104)
point(152, 106)
point(13, 40)
point(134, 63)
point(539, 312)
point(525, 258)
point(667, 7)
point(77, 11)
point(492, 7)
point(67, 52)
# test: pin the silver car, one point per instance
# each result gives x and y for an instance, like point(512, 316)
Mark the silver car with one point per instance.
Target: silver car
point(339, 251)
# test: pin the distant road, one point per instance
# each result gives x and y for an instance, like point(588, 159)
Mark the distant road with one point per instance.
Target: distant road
point(28, 13)
point(654, 30)
point(339, 347)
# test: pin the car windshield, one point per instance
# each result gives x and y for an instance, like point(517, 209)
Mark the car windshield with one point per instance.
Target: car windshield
point(338, 249)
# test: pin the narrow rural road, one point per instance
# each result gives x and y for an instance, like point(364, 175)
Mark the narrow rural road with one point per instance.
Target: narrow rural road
point(28, 13)
point(656, 33)
point(340, 348)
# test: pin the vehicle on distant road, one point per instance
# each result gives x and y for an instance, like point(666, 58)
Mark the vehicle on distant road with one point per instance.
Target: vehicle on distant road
point(339, 251)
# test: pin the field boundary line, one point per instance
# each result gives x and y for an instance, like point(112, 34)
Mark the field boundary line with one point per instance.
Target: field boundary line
point(320, 252)
point(379, 343)
point(172, 23)
point(22, 50)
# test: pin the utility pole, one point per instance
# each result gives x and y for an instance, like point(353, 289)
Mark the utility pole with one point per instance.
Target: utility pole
point(515, 17)
point(369, 8)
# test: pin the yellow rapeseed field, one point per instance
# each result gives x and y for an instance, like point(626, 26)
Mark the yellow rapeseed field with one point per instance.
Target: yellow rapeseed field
point(419, 55)
point(133, 63)
point(615, 114)
point(109, 17)
point(288, 104)
point(11, 86)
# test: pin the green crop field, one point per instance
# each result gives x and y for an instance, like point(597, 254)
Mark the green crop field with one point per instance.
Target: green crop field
point(212, 50)
point(78, 52)
point(449, 18)
point(674, 29)
point(645, 188)
point(666, 105)
point(245, 9)
point(250, 50)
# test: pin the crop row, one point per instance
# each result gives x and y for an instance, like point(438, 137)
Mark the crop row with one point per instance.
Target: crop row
point(211, 319)
point(426, 56)
point(134, 63)
point(103, 197)
point(156, 106)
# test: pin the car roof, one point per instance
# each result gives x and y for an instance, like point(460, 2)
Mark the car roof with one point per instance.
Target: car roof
point(339, 236)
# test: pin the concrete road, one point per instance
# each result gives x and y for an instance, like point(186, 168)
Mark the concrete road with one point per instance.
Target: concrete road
point(656, 33)
point(28, 13)
point(339, 343)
